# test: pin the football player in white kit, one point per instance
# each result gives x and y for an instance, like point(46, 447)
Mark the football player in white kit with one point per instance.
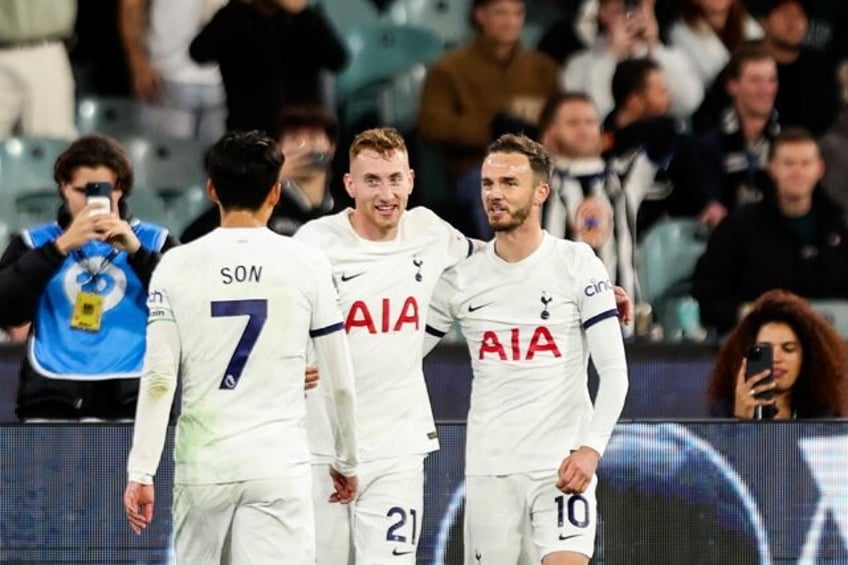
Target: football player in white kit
point(532, 308)
point(233, 313)
point(386, 261)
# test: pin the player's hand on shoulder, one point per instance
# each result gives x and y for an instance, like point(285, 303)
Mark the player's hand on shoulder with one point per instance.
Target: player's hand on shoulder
point(138, 503)
point(346, 487)
point(623, 304)
point(577, 470)
point(311, 377)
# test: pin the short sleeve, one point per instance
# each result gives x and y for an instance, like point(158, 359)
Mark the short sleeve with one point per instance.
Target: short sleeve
point(595, 295)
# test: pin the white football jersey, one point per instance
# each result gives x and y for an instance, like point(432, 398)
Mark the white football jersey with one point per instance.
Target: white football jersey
point(525, 324)
point(245, 302)
point(385, 289)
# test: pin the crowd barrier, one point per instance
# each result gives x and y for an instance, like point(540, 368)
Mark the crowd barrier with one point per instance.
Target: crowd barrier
point(675, 488)
point(667, 380)
point(676, 493)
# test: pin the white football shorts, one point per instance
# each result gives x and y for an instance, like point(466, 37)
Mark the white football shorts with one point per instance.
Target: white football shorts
point(523, 517)
point(260, 521)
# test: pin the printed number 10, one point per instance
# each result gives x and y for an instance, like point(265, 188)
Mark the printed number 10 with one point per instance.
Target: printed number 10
point(576, 505)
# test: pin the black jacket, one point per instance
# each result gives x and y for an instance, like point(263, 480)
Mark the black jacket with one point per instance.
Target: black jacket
point(268, 61)
point(733, 173)
point(24, 273)
point(756, 249)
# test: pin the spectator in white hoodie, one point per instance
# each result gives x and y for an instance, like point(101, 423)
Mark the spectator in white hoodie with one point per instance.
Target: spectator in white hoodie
point(625, 33)
point(708, 31)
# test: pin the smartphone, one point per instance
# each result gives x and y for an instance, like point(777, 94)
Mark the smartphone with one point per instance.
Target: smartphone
point(98, 195)
point(760, 357)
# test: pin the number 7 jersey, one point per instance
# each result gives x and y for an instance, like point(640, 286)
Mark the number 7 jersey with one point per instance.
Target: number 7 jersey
point(385, 289)
point(245, 302)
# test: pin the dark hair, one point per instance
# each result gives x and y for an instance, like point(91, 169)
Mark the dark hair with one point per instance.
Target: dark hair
point(93, 151)
point(243, 168)
point(540, 161)
point(383, 141)
point(734, 28)
point(764, 8)
point(479, 4)
point(306, 116)
point(631, 76)
point(820, 388)
point(555, 102)
point(746, 53)
point(789, 136)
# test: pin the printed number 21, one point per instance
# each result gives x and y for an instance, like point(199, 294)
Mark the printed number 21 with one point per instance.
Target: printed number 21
point(401, 513)
point(257, 313)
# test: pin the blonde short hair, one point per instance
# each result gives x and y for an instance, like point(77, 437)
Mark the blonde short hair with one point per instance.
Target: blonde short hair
point(383, 141)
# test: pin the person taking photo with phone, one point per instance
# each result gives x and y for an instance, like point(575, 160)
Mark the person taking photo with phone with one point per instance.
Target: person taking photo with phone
point(807, 376)
point(307, 137)
point(81, 283)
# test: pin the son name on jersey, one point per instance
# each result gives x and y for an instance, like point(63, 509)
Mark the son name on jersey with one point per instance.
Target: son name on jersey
point(241, 273)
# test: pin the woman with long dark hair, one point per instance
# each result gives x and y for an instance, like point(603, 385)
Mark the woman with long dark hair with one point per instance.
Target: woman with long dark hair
point(810, 367)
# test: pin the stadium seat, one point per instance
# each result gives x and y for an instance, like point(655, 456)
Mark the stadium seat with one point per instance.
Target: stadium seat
point(33, 208)
point(146, 205)
point(349, 14)
point(399, 100)
point(168, 166)
point(27, 189)
point(667, 257)
point(666, 260)
point(5, 235)
point(446, 18)
point(115, 117)
point(181, 211)
point(174, 213)
point(378, 54)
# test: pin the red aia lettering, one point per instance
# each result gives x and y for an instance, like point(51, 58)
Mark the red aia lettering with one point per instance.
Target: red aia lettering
point(542, 340)
point(359, 316)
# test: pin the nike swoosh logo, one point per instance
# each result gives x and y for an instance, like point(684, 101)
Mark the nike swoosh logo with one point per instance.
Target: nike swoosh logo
point(396, 552)
point(346, 278)
point(472, 308)
point(563, 538)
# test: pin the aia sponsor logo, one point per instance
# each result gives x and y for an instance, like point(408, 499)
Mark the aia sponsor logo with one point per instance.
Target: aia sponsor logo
point(507, 347)
point(385, 317)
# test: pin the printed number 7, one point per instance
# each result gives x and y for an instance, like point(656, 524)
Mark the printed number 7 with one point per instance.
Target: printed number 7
point(257, 313)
